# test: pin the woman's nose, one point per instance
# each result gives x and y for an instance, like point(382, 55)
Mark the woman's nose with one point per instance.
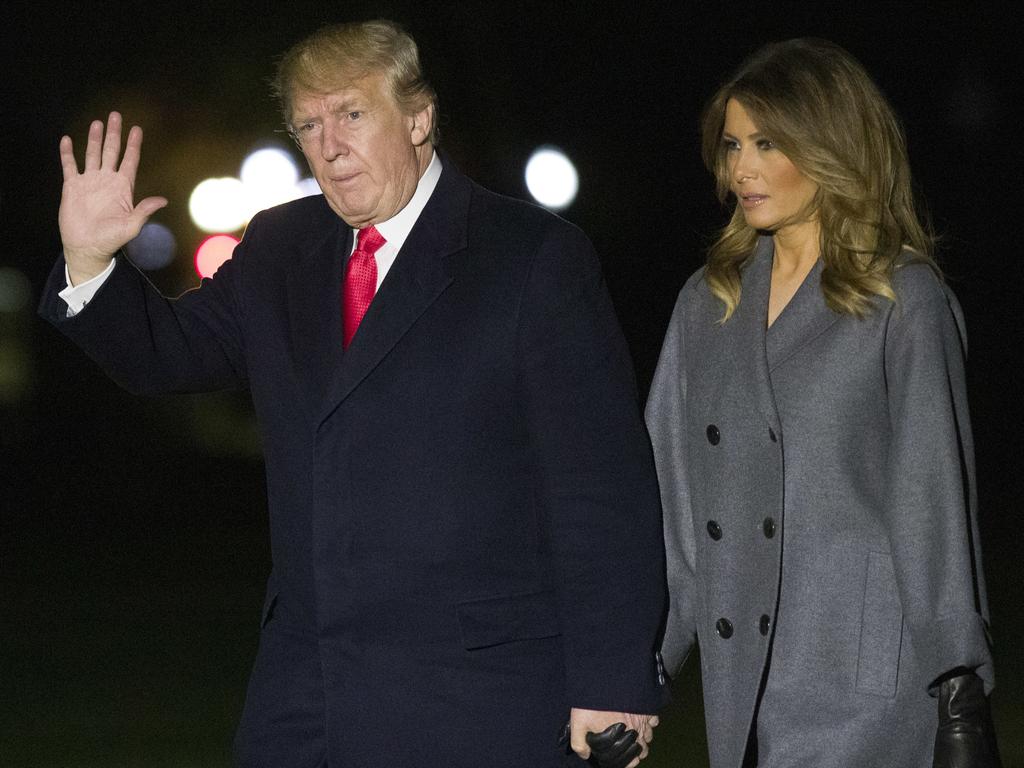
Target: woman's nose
point(744, 167)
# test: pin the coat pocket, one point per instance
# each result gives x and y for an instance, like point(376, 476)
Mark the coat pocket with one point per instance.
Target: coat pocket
point(881, 630)
point(497, 620)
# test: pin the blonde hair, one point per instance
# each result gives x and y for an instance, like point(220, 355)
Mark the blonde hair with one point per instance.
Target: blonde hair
point(822, 110)
point(336, 55)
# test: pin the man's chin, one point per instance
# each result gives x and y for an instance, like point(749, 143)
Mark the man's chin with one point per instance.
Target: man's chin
point(357, 218)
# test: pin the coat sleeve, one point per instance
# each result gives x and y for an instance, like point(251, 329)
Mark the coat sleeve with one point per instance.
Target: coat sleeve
point(150, 344)
point(666, 422)
point(596, 486)
point(931, 515)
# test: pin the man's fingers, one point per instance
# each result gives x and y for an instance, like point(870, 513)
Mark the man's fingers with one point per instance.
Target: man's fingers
point(645, 748)
point(132, 153)
point(103, 149)
point(144, 210)
point(611, 739)
point(578, 743)
point(149, 206)
point(67, 158)
point(92, 145)
point(112, 142)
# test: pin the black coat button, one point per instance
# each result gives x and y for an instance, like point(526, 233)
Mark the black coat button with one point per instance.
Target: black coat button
point(764, 625)
point(713, 434)
point(714, 530)
point(771, 434)
point(769, 527)
point(724, 628)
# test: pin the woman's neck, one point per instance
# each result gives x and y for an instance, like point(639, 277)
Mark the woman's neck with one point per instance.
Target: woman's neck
point(797, 248)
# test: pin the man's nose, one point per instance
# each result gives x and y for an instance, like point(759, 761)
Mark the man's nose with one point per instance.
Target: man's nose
point(333, 142)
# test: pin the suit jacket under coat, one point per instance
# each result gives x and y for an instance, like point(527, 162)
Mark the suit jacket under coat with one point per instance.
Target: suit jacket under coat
point(817, 480)
point(464, 514)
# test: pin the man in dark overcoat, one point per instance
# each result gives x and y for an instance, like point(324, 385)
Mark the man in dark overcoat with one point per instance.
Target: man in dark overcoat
point(464, 515)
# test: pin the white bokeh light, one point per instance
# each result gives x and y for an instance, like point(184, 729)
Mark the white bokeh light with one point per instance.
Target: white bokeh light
point(305, 188)
point(551, 178)
point(219, 205)
point(269, 176)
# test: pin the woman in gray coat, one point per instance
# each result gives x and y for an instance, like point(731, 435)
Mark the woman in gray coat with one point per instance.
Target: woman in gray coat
point(811, 433)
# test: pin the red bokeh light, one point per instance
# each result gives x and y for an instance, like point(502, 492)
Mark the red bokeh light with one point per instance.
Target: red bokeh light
point(212, 252)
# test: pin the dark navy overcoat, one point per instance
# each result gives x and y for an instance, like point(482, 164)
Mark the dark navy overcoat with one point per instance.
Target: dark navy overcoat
point(464, 514)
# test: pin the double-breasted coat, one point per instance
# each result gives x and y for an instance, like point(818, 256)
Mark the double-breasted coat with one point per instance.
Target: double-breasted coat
point(817, 481)
point(464, 516)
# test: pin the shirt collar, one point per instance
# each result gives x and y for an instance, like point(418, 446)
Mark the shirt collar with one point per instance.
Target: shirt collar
point(396, 229)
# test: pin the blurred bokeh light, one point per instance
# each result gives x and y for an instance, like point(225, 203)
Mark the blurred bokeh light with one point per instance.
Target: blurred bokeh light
point(218, 205)
point(15, 290)
point(15, 352)
point(551, 178)
point(153, 247)
point(269, 176)
point(306, 187)
point(212, 252)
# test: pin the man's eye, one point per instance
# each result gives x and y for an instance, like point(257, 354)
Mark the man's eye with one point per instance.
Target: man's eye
point(307, 127)
point(355, 115)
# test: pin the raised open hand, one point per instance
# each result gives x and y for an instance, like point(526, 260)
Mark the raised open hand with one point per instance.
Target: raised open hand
point(97, 212)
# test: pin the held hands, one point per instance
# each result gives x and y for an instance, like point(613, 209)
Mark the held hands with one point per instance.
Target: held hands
point(614, 748)
point(97, 213)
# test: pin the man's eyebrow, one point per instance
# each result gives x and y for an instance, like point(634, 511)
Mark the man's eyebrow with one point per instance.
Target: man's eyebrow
point(348, 103)
point(344, 104)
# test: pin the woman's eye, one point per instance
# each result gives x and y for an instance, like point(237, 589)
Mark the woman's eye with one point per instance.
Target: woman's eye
point(729, 145)
point(766, 144)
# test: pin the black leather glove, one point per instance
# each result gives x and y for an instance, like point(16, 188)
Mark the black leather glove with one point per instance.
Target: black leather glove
point(965, 737)
point(614, 747)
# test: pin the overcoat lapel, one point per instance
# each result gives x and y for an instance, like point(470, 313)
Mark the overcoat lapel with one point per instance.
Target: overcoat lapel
point(314, 311)
point(419, 275)
point(751, 318)
point(805, 318)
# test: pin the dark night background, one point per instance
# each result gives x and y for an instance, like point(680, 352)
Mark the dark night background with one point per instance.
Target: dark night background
point(133, 545)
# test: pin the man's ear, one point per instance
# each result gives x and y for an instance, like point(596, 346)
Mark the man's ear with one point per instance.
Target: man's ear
point(422, 122)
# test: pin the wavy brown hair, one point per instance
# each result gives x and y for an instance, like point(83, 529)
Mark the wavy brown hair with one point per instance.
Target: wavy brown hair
point(822, 110)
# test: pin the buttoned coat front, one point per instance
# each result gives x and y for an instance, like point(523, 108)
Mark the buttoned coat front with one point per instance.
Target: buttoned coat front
point(463, 508)
point(817, 482)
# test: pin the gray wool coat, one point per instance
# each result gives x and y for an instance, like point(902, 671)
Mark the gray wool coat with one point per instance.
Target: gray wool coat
point(817, 479)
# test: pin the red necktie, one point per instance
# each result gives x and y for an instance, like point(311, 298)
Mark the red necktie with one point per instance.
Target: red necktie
point(360, 281)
